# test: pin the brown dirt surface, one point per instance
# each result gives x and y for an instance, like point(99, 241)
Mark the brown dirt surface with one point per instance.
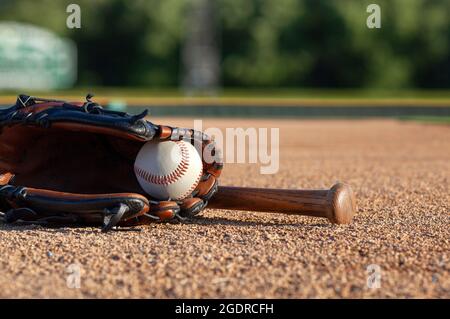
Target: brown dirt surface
point(400, 172)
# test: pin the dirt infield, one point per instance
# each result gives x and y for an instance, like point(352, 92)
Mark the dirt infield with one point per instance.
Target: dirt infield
point(399, 170)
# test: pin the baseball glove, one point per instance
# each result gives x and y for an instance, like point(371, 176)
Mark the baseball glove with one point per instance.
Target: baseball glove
point(73, 163)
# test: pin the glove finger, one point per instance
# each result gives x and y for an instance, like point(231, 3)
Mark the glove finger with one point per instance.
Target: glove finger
point(192, 206)
point(204, 191)
point(207, 188)
point(159, 211)
point(212, 158)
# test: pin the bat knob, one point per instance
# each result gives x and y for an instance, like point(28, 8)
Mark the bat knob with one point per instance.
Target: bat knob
point(342, 204)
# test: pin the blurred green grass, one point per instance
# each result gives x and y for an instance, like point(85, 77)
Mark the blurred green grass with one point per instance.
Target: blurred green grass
point(257, 92)
point(275, 93)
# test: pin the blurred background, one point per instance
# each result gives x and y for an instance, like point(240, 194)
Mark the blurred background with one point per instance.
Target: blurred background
point(204, 53)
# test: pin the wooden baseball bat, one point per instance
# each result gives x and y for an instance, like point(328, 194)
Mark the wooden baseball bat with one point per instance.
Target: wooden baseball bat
point(338, 203)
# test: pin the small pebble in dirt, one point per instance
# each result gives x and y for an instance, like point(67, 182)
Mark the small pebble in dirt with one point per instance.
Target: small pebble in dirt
point(49, 254)
point(435, 278)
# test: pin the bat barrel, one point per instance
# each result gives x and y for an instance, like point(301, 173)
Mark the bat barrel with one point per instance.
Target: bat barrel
point(338, 204)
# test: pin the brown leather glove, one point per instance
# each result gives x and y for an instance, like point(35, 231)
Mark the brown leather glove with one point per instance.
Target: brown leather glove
point(72, 163)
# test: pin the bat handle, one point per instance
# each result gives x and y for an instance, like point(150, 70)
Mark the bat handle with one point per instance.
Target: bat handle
point(338, 203)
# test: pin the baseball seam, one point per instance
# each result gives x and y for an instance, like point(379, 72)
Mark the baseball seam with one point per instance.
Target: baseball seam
point(194, 186)
point(171, 178)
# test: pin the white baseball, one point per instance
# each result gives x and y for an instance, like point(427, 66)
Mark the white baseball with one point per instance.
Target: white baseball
point(168, 170)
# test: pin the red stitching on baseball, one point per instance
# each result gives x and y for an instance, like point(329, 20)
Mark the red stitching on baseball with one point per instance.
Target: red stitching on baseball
point(169, 178)
point(194, 186)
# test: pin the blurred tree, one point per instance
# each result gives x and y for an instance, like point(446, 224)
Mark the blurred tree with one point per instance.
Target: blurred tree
point(200, 54)
point(294, 43)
